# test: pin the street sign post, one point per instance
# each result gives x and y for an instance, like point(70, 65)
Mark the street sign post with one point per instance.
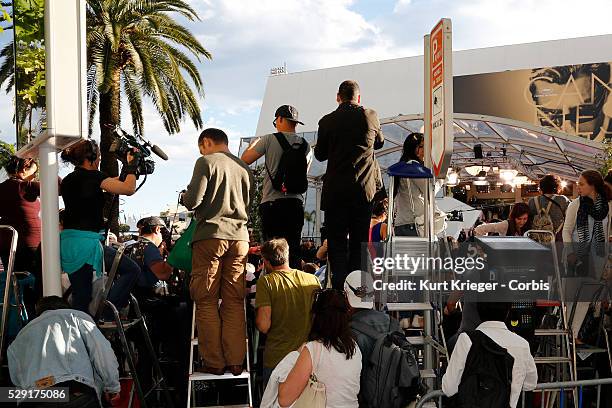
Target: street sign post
point(66, 109)
point(439, 70)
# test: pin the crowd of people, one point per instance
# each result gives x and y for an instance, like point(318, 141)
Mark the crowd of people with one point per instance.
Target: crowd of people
point(315, 306)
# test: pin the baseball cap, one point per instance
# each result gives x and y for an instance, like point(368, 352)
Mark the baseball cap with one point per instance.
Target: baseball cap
point(288, 112)
point(151, 222)
point(359, 288)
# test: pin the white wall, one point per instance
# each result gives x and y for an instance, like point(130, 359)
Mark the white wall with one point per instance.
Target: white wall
point(395, 87)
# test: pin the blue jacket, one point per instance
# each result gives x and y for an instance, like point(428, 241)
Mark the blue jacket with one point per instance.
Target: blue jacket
point(78, 248)
point(63, 345)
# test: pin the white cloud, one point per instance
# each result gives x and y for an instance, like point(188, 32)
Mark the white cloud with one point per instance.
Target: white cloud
point(401, 5)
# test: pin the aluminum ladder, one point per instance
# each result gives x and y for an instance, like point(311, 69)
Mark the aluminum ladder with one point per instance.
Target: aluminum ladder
point(196, 377)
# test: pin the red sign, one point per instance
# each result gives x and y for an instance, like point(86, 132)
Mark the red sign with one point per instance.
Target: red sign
point(440, 97)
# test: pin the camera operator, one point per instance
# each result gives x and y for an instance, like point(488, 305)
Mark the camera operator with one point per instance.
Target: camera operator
point(82, 251)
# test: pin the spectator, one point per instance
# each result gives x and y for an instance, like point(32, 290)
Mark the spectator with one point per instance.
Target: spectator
point(310, 268)
point(64, 348)
point(322, 252)
point(19, 208)
point(282, 213)
point(220, 192)
point(586, 231)
point(524, 372)
point(410, 193)
point(284, 303)
point(84, 226)
point(359, 289)
point(347, 138)
point(378, 226)
point(550, 187)
point(331, 354)
point(516, 225)
point(309, 252)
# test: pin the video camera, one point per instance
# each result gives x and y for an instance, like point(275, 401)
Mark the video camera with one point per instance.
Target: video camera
point(141, 150)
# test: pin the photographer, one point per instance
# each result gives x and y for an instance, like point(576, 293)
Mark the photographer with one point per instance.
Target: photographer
point(82, 251)
point(149, 251)
point(168, 318)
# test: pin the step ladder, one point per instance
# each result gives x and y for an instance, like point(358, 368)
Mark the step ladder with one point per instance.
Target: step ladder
point(556, 354)
point(428, 305)
point(119, 328)
point(10, 283)
point(196, 377)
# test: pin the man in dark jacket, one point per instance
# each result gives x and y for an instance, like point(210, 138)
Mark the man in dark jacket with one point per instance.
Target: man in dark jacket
point(347, 138)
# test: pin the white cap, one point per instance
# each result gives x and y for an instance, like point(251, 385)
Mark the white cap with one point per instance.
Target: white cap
point(362, 283)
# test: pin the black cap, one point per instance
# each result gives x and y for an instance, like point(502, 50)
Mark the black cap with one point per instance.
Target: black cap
point(150, 222)
point(288, 112)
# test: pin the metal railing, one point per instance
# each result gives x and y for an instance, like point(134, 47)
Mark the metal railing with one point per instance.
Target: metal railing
point(554, 386)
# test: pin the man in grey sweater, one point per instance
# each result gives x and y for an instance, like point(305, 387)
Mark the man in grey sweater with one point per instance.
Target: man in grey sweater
point(219, 193)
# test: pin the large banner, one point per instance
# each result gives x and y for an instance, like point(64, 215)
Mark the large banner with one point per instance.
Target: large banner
point(573, 98)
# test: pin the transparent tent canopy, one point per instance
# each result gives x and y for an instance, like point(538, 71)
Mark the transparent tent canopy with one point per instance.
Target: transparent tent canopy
point(531, 150)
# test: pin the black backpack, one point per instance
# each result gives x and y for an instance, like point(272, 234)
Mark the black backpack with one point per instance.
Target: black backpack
point(391, 378)
point(487, 376)
point(290, 177)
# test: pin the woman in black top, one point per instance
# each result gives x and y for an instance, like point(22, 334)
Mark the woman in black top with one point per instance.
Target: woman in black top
point(84, 225)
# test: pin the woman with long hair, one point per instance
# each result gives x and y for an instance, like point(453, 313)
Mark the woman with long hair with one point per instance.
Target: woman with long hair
point(588, 216)
point(585, 233)
point(19, 208)
point(82, 237)
point(518, 222)
point(409, 193)
point(331, 354)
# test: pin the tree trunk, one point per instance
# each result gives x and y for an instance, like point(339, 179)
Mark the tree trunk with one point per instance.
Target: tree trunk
point(110, 116)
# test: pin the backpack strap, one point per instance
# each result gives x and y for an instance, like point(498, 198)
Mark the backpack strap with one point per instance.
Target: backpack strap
point(365, 329)
point(282, 141)
point(536, 201)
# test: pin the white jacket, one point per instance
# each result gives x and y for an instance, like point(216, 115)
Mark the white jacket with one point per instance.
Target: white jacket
point(279, 375)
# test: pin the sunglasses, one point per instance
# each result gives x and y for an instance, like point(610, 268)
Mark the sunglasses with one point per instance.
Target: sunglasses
point(360, 291)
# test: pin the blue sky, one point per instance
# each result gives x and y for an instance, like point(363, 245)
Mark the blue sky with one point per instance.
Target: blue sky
point(248, 37)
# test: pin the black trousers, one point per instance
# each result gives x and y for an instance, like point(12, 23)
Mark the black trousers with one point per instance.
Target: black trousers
point(284, 218)
point(345, 254)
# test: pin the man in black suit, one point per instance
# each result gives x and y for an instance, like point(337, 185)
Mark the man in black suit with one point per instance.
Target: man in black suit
point(347, 138)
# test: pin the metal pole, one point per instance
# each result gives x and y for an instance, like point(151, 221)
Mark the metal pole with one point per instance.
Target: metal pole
point(49, 214)
point(49, 208)
point(428, 353)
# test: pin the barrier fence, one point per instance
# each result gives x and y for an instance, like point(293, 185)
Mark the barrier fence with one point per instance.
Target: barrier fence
point(554, 386)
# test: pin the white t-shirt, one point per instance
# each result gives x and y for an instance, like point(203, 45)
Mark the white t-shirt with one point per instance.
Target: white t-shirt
point(340, 376)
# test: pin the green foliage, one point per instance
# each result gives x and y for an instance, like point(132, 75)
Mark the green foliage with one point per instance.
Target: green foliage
point(29, 76)
point(139, 44)
point(123, 228)
point(6, 151)
point(5, 17)
point(607, 157)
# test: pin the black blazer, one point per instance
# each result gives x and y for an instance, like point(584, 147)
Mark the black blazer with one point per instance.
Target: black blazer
point(347, 139)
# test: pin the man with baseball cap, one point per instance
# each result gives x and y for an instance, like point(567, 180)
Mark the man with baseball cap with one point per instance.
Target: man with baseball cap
point(282, 211)
point(149, 252)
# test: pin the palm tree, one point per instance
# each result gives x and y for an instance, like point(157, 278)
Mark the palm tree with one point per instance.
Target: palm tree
point(137, 47)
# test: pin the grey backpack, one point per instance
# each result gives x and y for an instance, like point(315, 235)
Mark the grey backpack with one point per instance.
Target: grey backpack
point(542, 221)
point(391, 378)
